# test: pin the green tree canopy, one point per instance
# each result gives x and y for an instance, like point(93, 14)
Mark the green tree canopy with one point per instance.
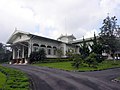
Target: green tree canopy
point(96, 47)
point(108, 34)
point(84, 50)
point(2, 49)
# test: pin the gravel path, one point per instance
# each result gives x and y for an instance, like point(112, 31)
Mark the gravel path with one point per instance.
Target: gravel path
point(44, 78)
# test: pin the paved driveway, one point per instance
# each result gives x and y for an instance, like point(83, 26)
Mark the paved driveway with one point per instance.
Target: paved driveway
point(43, 78)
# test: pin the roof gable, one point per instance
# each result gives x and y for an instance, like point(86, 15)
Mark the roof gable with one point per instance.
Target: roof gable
point(15, 35)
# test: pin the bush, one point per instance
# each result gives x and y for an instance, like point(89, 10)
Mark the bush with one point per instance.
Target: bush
point(69, 53)
point(91, 60)
point(77, 60)
point(37, 56)
point(59, 53)
point(100, 58)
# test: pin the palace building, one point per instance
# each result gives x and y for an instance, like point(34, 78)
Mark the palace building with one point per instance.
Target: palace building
point(23, 43)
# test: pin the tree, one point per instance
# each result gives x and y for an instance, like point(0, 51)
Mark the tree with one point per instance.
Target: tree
point(108, 34)
point(5, 54)
point(84, 50)
point(97, 48)
point(2, 49)
point(77, 60)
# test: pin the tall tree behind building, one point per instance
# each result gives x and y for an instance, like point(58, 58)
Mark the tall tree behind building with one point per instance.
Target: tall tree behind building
point(109, 35)
point(84, 50)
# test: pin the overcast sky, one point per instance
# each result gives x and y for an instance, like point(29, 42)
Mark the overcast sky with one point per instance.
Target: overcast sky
point(51, 18)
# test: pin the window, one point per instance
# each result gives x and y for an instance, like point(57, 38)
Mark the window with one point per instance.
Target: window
point(20, 36)
point(54, 52)
point(49, 51)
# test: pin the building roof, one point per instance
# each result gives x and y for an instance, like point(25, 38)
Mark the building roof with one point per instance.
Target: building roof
point(14, 35)
point(81, 40)
point(44, 37)
point(17, 32)
point(68, 36)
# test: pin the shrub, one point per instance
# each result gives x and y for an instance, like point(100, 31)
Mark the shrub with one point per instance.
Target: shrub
point(91, 60)
point(99, 58)
point(59, 53)
point(69, 54)
point(37, 56)
point(77, 60)
point(33, 57)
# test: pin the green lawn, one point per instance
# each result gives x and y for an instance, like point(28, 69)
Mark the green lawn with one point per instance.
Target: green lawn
point(16, 80)
point(67, 66)
point(59, 65)
point(118, 78)
point(2, 79)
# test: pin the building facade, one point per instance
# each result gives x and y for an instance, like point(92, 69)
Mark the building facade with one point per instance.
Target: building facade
point(23, 43)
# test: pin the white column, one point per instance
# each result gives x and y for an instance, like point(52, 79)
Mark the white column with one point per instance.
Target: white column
point(52, 50)
point(64, 50)
point(18, 54)
point(29, 50)
point(13, 53)
point(23, 52)
point(46, 50)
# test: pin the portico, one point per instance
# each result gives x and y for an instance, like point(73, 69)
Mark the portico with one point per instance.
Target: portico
point(20, 53)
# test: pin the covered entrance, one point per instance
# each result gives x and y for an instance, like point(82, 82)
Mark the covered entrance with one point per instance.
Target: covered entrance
point(20, 53)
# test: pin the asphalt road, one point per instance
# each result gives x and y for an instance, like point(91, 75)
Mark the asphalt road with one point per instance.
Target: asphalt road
point(44, 78)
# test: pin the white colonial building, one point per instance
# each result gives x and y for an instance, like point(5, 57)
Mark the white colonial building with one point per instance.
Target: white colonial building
point(23, 43)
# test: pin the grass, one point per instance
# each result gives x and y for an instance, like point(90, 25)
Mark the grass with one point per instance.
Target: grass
point(118, 78)
point(16, 80)
point(2, 79)
point(67, 66)
point(59, 65)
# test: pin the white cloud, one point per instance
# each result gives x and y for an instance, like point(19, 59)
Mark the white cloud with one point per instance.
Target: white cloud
point(51, 18)
point(91, 33)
